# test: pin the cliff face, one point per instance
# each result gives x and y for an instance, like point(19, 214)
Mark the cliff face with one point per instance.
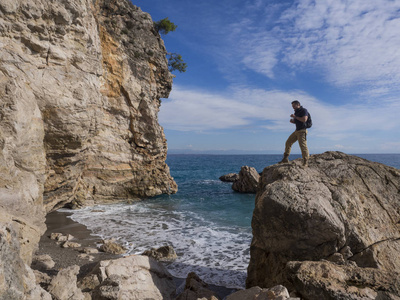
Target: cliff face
point(93, 73)
point(341, 209)
point(80, 89)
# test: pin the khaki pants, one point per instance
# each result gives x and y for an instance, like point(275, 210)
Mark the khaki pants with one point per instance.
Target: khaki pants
point(301, 137)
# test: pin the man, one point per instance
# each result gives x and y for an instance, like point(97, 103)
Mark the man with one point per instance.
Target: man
point(299, 118)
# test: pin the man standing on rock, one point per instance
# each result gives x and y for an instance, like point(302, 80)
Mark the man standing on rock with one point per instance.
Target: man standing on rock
point(299, 118)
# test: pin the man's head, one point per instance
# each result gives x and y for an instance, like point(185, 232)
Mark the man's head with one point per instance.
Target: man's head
point(296, 104)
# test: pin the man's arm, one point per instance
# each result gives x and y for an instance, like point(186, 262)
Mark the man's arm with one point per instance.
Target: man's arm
point(301, 119)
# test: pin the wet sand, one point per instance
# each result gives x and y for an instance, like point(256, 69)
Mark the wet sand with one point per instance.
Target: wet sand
point(58, 222)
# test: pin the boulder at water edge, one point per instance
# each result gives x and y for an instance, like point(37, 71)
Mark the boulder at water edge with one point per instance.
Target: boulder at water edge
point(342, 208)
point(248, 180)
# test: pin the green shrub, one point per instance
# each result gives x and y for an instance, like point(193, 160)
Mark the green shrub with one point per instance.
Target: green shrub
point(164, 26)
point(176, 63)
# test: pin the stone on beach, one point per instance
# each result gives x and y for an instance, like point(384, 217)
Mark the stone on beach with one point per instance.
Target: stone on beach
point(110, 246)
point(69, 244)
point(247, 181)
point(43, 262)
point(61, 237)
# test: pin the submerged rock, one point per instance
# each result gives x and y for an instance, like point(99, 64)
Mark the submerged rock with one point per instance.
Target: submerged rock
point(247, 181)
point(342, 208)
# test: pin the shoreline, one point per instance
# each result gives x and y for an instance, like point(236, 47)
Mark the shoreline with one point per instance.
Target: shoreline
point(59, 222)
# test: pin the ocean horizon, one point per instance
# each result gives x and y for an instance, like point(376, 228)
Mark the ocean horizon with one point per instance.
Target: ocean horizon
point(206, 222)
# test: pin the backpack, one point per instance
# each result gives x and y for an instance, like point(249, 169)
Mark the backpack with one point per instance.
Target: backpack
point(309, 121)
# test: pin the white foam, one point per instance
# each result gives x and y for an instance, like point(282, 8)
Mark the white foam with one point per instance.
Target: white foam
point(219, 255)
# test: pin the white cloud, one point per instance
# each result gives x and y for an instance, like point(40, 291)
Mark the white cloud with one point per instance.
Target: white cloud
point(356, 42)
point(243, 107)
point(350, 43)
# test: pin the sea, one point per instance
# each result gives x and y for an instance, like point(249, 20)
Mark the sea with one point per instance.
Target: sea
point(206, 222)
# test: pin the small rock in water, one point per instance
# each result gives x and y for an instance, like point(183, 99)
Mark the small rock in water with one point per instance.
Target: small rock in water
point(231, 177)
point(164, 253)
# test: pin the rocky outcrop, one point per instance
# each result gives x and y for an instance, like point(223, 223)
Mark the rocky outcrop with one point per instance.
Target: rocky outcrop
point(231, 177)
point(17, 280)
point(80, 89)
point(247, 181)
point(341, 208)
point(326, 280)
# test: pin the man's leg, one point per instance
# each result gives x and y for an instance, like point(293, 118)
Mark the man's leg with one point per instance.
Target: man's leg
point(302, 138)
point(288, 146)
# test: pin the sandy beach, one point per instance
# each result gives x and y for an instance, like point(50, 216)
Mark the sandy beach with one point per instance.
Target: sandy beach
point(58, 222)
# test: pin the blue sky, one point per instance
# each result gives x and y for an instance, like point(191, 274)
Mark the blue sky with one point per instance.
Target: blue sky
point(248, 59)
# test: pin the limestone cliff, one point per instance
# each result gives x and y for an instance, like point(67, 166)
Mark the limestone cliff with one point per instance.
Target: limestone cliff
point(80, 89)
point(341, 209)
point(93, 73)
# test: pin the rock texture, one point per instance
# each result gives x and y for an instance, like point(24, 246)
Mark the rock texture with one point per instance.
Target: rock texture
point(342, 208)
point(277, 292)
point(80, 89)
point(247, 181)
point(133, 277)
point(195, 289)
point(326, 280)
point(17, 280)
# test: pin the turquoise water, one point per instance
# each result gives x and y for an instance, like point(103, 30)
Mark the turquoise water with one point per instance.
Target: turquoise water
point(207, 223)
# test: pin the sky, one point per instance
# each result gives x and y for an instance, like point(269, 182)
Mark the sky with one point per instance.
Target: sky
point(247, 60)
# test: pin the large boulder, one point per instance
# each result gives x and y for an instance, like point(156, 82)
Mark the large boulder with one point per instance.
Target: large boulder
point(195, 289)
point(330, 281)
point(341, 208)
point(64, 285)
point(247, 181)
point(17, 280)
point(133, 277)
